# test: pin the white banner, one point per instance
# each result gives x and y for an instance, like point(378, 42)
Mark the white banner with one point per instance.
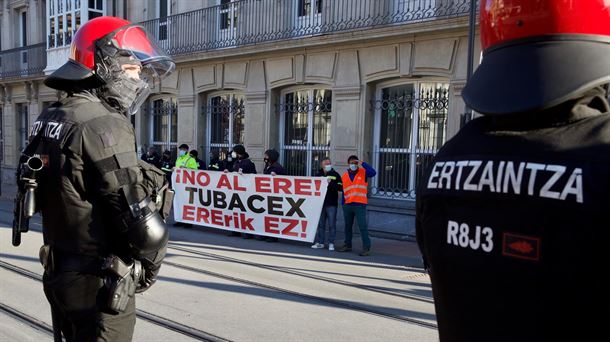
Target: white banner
point(286, 207)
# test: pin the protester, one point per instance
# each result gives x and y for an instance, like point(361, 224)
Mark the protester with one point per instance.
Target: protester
point(227, 163)
point(355, 188)
point(241, 163)
point(167, 165)
point(215, 162)
point(329, 209)
point(200, 163)
point(152, 157)
point(274, 168)
point(185, 160)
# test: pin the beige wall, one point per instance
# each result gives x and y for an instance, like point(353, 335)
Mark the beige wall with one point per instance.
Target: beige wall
point(351, 71)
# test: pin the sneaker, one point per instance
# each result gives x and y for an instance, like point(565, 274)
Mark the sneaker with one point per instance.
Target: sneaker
point(365, 252)
point(345, 248)
point(317, 246)
point(331, 246)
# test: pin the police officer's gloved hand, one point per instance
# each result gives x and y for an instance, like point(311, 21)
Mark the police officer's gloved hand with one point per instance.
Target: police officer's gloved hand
point(151, 264)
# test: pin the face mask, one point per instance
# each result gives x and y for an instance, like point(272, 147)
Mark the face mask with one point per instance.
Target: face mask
point(266, 160)
point(125, 93)
point(229, 158)
point(233, 155)
point(182, 153)
point(327, 168)
point(353, 167)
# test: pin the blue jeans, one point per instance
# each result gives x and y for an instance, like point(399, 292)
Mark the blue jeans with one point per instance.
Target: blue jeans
point(358, 212)
point(328, 214)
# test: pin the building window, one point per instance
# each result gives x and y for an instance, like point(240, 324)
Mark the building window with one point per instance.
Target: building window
point(410, 127)
point(226, 116)
point(305, 129)
point(164, 124)
point(227, 20)
point(64, 19)
point(305, 7)
point(23, 124)
point(163, 10)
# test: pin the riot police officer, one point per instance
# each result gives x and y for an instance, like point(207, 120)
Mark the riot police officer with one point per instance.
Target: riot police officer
point(512, 217)
point(104, 236)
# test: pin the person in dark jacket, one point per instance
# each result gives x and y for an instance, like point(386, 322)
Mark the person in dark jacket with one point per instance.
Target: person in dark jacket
point(92, 179)
point(329, 209)
point(152, 157)
point(228, 162)
point(167, 165)
point(274, 168)
point(200, 163)
point(215, 162)
point(241, 163)
point(518, 198)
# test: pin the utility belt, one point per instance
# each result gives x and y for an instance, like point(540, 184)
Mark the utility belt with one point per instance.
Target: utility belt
point(121, 279)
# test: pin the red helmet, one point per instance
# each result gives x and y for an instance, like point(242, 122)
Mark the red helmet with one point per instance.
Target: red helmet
point(102, 38)
point(539, 53)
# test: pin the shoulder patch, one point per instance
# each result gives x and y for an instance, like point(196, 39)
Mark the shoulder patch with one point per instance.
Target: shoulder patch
point(108, 139)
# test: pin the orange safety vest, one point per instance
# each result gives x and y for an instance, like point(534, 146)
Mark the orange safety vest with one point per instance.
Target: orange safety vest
point(355, 191)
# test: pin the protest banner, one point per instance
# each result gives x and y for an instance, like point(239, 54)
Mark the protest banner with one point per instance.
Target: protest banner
point(286, 207)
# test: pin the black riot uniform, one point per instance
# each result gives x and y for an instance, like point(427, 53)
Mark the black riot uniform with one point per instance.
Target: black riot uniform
point(510, 222)
point(512, 216)
point(89, 153)
point(102, 207)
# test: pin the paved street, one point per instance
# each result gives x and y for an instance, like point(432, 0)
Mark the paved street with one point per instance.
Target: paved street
point(215, 287)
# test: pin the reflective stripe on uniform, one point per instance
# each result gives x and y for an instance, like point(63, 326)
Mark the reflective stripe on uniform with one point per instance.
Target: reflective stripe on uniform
point(355, 186)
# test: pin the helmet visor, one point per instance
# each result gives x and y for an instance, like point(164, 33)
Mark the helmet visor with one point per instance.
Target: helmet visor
point(140, 48)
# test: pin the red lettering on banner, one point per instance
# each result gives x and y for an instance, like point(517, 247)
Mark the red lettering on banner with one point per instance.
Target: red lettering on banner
point(285, 226)
point(224, 182)
point(318, 184)
point(291, 225)
point(302, 187)
point(217, 217)
point(188, 177)
point(246, 223)
point(281, 185)
point(303, 229)
point(262, 184)
point(188, 212)
point(236, 186)
point(178, 176)
point(228, 221)
point(203, 215)
point(271, 225)
point(203, 179)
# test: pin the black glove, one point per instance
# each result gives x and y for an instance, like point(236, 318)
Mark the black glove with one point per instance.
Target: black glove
point(151, 264)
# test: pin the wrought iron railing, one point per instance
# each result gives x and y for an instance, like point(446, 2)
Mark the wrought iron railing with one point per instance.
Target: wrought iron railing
point(225, 122)
point(164, 125)
point(401, 166)
point(244, 22)
point(24, 61)
point(306, 128)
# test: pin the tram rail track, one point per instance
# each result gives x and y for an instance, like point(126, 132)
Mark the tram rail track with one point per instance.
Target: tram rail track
point(141, 314)
point(28, 320)
point(302, 274)
point(332, 301)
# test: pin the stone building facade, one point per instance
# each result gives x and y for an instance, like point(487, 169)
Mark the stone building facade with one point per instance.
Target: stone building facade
point(380, 79)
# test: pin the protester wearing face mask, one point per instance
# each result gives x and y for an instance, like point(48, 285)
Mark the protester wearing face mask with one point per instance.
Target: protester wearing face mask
point(227, 164)
point(355, 188)
point(241, 164)
point(185, 160)
point(329, 209)
point(241, 161)
point(272, 167)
